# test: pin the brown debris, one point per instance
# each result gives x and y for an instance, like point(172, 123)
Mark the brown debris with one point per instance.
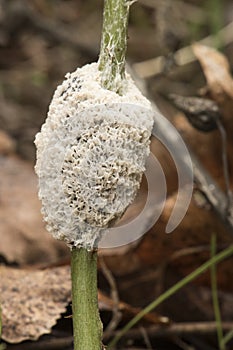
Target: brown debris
point(32, 301)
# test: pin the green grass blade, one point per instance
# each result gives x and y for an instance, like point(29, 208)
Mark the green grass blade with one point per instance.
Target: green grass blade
point(227, 337)
point(214, 260)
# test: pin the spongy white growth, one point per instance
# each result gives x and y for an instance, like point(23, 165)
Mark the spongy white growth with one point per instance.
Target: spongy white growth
point(91, 154)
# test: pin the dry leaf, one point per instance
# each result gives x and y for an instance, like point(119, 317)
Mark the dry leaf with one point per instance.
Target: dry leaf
point(217, 71)
point(23, 236)
point(32, 301)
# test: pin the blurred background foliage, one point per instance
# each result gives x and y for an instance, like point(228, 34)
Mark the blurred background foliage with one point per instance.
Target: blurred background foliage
point(40, 40)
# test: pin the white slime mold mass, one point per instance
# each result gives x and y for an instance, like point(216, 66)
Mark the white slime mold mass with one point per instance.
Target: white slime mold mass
point(91, 154)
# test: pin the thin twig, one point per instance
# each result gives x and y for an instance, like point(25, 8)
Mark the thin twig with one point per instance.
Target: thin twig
point(225, 164)
point(178, 329)
point(214, 289)
point(182, 344)
point(116, 314)
point(154, 66)
point(146, 338)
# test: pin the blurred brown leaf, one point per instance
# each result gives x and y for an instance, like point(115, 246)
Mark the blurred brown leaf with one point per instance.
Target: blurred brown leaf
point(32, 301)
point(217, 71)
point(23, 236)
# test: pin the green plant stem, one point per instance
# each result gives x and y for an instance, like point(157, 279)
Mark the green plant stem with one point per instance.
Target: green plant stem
point(227, 337)
point(114, 44)
point(214, 289)
point(216, 259)
point(87, 326)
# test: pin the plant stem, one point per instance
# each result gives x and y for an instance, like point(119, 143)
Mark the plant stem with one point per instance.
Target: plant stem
point(168, 293)
point(87, 326)
point(113, 44)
